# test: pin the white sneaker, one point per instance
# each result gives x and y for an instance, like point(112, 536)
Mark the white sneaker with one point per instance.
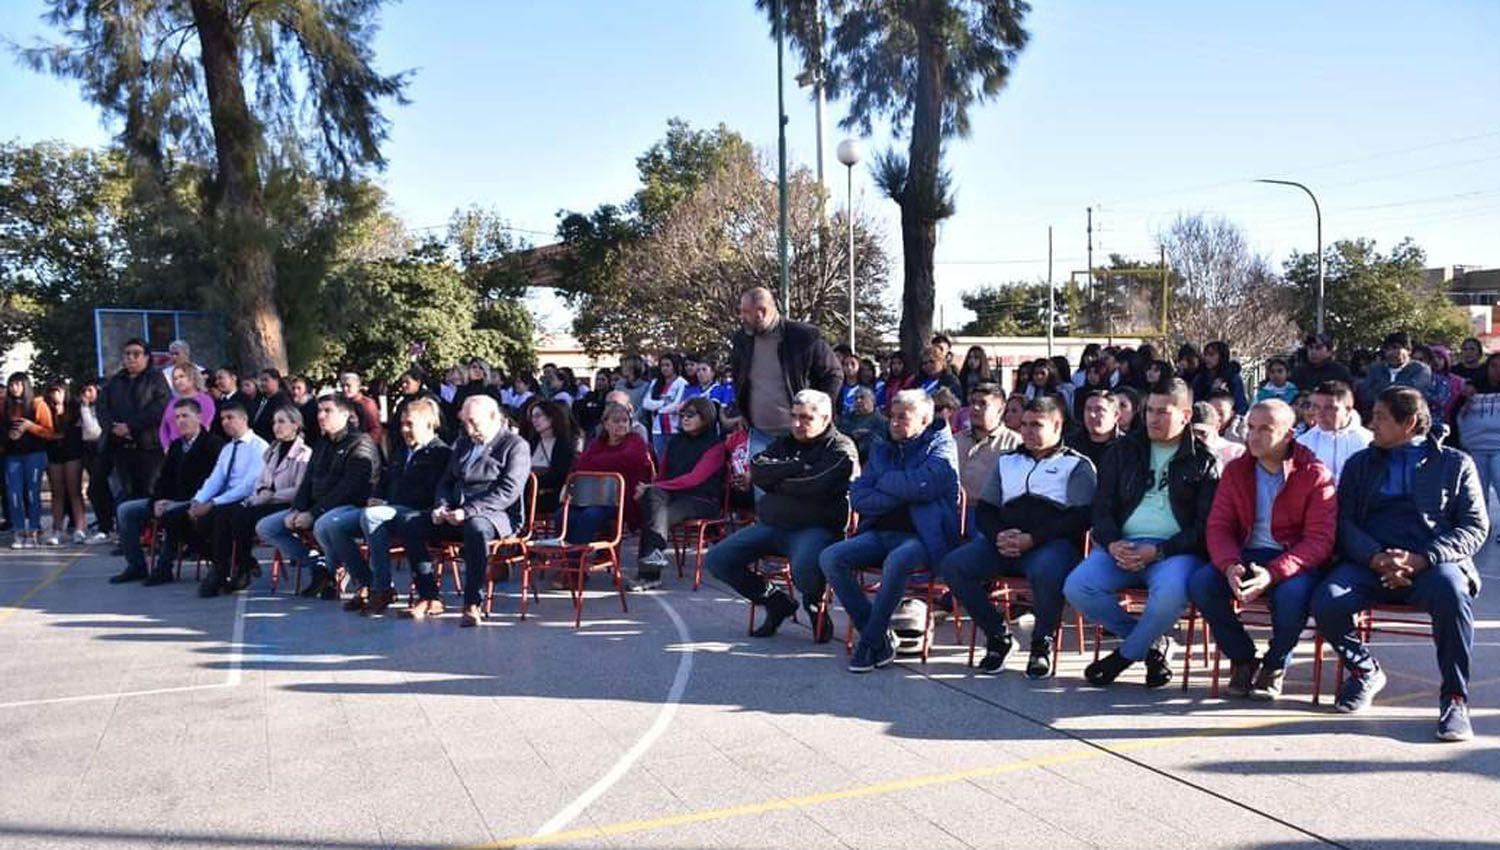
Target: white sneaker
point(80, 538)
point(655, 558)
point(54, 540)
point(18, 543)
point(96, 539)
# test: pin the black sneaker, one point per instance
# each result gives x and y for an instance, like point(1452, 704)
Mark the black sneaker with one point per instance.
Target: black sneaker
point(1039, 665)
point(212, 583)
point(1104, 671)
point(244, 578)
point(863, 659)
point(886, 652)
point(1453, 721)
point(1268, 683)
point(778, 607)
point(1241, 678)
point(1159, 663)
point(158, 577)
point(1359, 691)
point(321, 580)
point(128, 575)
point(996, 647)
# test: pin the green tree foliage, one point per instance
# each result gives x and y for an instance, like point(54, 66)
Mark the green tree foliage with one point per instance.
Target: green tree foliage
point(675, 281)
point(383, 316)
point(243, 87)
point(919, 65)
point(1369, 294)
point(1017, 308)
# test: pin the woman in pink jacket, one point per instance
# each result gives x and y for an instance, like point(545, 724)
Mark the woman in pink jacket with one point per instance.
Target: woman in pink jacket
point(285, 463)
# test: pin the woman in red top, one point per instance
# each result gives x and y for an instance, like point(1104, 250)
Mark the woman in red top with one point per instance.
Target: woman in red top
point(691, 487)
point(616, 449)
point(29, 432)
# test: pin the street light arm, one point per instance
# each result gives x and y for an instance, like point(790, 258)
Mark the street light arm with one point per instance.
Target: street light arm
point(1318, 214)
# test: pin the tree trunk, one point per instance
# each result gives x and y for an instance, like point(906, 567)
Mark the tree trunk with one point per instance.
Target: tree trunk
point(247, 273)
point(921, 198)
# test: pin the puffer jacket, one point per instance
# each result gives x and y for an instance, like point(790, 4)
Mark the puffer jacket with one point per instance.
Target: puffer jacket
point(919, 474)
point(1303, 515)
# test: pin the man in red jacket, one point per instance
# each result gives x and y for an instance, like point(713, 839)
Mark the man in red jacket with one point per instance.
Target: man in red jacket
point(1270, 529)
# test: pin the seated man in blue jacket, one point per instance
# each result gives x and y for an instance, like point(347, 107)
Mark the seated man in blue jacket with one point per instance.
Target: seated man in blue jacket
point(1031, 516)
point(478, 501)
point(405, 491)
point(907, 500)
point(805, 476)
point(1411, 519)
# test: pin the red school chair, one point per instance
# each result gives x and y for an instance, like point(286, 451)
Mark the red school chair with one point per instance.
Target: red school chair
point(696, 534)
point(576, 560)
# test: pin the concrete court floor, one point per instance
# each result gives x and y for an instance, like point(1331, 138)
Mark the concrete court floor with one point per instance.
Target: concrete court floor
point(135, 717)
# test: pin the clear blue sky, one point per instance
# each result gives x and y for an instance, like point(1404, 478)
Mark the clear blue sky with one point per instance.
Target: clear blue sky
point(1389, 110)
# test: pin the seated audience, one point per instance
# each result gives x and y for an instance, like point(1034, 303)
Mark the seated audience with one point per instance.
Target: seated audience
point(691, 486)
point(230, 483)
point(1099, 428)
point(282, 467)
point(907, 501)
point(549, 432)
point(863, 423)
point(1337, 434)
point(805, 476)
point(339, 475)
point(190, 459)
point(1270, 531)
point(405, 491)
point(270, 398)
point(1155, 490)
point(478, 501)
point(1031, 518)
point(1411, 520)
point(187, 382)
point(618, 448)
point(980, 446)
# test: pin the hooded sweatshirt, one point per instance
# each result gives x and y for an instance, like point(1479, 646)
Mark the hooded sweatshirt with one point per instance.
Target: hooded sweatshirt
point(1334, 448)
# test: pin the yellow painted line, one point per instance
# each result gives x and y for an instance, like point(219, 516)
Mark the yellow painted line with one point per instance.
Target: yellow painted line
point(781, 804)
point(10, 610)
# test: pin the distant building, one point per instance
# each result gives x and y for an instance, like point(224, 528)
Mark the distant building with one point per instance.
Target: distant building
point(1474, 290)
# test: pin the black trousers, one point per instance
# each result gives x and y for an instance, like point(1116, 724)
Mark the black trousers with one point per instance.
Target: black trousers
point(99, 494)
point(138, 469)
point(661, 509)
point(233, 532)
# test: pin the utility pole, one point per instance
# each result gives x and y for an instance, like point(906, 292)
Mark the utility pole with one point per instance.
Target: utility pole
point(1090, 211)
point(1318, 213)
point(781, 120)
point(820, 99)
point(1051, 294)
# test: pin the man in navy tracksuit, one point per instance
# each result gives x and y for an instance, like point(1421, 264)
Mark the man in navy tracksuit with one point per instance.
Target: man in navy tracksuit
point(1411, 519)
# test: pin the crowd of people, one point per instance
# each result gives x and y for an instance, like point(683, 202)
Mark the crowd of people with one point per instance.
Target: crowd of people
point(1332, 485)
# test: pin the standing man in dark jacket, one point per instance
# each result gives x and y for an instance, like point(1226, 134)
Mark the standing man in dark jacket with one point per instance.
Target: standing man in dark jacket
point(130, 411)
point(339, 475)
point(477, 501)
point(1031, 515)
point(270, 399)
point(188, 462)
point(1412, 517)
point(805, 476)
point(405, 491)
point(773, 359)
point(1155, 491)
point(1320, 366)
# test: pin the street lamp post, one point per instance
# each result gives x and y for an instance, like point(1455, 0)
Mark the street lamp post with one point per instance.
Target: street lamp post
point(849, 155)
point(1318, 213)
point(781, 119)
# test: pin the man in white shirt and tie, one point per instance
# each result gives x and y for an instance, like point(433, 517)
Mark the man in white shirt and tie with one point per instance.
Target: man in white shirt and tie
point(231, 481)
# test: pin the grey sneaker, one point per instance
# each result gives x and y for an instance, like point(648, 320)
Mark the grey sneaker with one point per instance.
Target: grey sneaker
point(1359, 691)
point(654, 561)
point(1268, 683)
point(1241, 678)
point(1453, 720)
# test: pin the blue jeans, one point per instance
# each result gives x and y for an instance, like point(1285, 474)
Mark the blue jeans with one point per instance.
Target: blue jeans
point(272, 529)
point(897, 554)
point(1094, 588)
point(380, 524)
point(730, 559)
point(337, 533)
point(23, 490)
point(1442, 590)
point(1289, 601)
point(969, 569)
point(130, 518)
point(587, 523)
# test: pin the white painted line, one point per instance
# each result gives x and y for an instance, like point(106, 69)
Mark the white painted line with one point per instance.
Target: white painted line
point(664, 717)
point(236, 656)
